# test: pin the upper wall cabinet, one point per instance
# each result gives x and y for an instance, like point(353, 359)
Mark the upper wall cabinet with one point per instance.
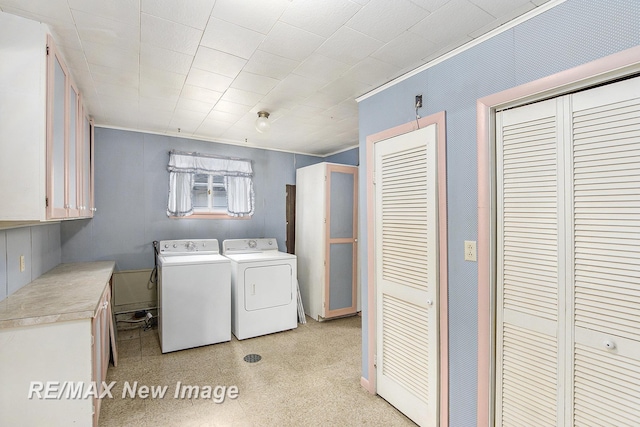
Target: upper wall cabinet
point(45, 133)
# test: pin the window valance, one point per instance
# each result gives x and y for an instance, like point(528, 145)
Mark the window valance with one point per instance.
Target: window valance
point(237, 173)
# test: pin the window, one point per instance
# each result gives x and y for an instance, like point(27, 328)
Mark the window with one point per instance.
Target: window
point(209, 187)
point(209, 194)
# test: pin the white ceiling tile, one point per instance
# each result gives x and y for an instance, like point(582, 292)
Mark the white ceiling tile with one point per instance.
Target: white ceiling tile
point(164, 59)
point(361, 2)
point(430, 5)
point(96, 29)
point(499, 7)
point(298, 86)
point(231, 107)
point(291, 42)
point(120, 10)
point(153, 118)
point(456, 18)
point(319, 17)
point(149, 88)
point(241, 97)
point(321, 68)
point(277, 101)
point(539, 2)
point(256, 15)
point(200, 94)
point(169, 35)
point(405, 50)
point(306, 110)
point(194, 13)
point(111, 56)
point(346, 87)
point(193, 105)
point(189, 115)
point(231, 38)
point(212, 128)
point(162, 78)
point(254, 83)
point(158, 104)
point(49, 12)
point(208, 80)
point(270, 65)
point(372, 71)
point(66, 35)
point(503, 19)
point(102, 74)
point(349, 46)
point(323, 100)
point(124, 94)
point(183, 125)
point(384, 20)
point(223, 116)
point(218, 62)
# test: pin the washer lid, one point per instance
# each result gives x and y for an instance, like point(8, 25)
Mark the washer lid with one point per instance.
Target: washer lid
point(170, 260)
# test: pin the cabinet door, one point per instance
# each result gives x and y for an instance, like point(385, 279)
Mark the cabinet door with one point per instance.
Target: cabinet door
point(56, 135)
point(85, 165)
point(73, 194)
point(341, 252)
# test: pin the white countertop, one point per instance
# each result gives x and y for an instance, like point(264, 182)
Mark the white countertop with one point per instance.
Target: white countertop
point(66, 292)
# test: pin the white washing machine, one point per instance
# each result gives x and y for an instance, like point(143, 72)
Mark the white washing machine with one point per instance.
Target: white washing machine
point(194, 294)
point(263, 287)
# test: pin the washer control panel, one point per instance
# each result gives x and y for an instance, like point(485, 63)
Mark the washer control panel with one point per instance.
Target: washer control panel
point(176, 247)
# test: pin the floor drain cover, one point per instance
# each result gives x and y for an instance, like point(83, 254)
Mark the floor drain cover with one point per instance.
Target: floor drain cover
point(252, 358)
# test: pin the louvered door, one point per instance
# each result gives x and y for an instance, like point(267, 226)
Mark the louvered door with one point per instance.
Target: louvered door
point(529, 267)
point(406, 273)
point(606, 179)
point(568, 255)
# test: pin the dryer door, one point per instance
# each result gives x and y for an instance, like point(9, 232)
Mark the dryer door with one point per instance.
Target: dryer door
point(267, 286)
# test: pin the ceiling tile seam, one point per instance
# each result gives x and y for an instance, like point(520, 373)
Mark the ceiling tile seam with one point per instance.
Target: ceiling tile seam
point(505, 27)
point(175, 108)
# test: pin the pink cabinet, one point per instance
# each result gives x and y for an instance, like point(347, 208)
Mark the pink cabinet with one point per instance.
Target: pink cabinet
point(45, 130)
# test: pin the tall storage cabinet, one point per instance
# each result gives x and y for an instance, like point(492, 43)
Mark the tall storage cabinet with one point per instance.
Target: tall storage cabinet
point(326, 239)
point(42, 128)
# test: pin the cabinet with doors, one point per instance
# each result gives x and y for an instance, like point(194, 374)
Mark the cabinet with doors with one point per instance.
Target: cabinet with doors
point(326, 239)
point(45, 131)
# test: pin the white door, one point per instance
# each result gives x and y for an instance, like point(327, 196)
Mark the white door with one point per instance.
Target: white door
point(406, 277)
point(568, 252)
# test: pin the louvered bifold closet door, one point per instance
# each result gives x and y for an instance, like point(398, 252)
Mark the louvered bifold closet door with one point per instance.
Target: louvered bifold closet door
point(606, 179)
point(406, 262)
point(529, 267)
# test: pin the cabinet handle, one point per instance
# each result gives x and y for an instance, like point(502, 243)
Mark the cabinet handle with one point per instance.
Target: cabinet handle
point(94, 209)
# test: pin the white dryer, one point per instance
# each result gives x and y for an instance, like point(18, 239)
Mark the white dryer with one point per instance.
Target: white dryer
point(194, 294)
point(263, 287)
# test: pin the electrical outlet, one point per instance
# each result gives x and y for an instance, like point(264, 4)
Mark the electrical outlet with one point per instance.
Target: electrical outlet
point(22, 267)
point(418, 101)
point(470, 250)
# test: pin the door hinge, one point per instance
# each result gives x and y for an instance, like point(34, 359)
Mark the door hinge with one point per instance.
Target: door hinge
point(47, 49)
point(375, 360)
point(46, 202)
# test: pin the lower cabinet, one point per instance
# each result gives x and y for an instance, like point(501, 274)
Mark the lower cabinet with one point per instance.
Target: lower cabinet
point(48, 369)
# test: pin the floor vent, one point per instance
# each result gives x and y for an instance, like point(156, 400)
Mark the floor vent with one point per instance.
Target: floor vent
point(252, 358)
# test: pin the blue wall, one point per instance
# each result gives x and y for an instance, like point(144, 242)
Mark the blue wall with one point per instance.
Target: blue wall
point(348, 157)
point(40, 246)
point(570, 34)
point(131, 188)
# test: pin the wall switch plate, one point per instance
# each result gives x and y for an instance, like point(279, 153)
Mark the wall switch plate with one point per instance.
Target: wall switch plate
point(22, 267)
point(470, 250)
point(418, 101)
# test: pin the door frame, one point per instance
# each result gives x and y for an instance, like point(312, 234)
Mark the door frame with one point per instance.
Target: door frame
point(370, 383)
point(600, 71)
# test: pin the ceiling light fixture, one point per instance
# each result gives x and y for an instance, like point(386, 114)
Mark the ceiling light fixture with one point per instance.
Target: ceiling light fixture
point(262, 122)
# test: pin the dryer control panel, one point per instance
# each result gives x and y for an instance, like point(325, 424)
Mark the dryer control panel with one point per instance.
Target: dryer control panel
point(240, 246)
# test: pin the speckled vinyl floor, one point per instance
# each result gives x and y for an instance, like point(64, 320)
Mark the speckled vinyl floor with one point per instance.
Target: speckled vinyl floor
point(309, 376)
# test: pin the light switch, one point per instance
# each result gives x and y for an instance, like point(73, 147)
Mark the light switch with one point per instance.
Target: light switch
point(22, 267)
point(470, 250)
